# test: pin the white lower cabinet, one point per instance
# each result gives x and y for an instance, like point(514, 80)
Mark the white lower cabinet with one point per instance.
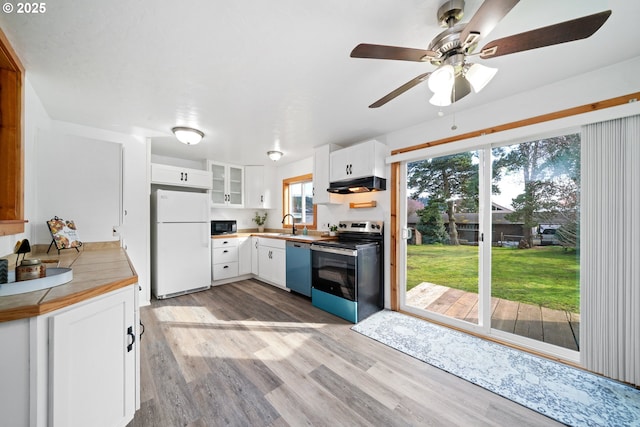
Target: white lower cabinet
point(261, 257)
point(255, 242)
point(272, 261)
point(224, 258)
point(244, 255)
point(76, 366)
point(92, 350)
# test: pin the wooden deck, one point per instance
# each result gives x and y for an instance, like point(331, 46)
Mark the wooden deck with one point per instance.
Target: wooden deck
point(556, 327)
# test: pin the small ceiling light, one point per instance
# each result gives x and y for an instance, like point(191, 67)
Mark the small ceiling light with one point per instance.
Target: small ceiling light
point(189, 136)
point(274, 155)
point(441, 80)
point(441, 99)
point(479, 76)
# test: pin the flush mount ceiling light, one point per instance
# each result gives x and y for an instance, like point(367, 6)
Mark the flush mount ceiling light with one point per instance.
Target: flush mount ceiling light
point(275, 155)
point(189, 136)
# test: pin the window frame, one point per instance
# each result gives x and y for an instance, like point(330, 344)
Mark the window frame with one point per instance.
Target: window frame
point(11, 145)
point(285, 200)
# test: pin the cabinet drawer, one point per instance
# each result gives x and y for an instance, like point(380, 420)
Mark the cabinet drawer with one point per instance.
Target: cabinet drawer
point(225, 255)
point(225, 243)
point(225, 271)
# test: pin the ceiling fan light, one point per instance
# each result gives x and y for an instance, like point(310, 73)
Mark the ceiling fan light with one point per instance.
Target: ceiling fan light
point(479, 76)
point(275, 155)
point(441, 99)
point(189, 136)
point(441, 80)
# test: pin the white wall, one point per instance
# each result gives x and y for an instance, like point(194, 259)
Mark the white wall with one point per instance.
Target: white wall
point(35, 117)
point(135, 227)
point(77, 179)
point(616, 80)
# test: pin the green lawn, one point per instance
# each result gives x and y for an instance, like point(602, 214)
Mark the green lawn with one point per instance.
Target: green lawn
point(546, 276)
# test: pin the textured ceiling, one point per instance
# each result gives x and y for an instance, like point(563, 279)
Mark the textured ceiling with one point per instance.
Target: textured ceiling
point(255, 75)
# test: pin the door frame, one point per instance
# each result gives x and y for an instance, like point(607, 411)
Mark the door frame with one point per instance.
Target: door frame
point(399, 252)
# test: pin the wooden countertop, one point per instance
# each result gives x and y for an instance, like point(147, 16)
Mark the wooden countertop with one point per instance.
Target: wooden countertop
point(95, 272)
point(277, 235)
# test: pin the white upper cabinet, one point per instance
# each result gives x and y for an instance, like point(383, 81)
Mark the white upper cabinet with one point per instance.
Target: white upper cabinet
point(227, 185)
point(358, 161)
point(179, 176)
point(260, 187)
point(321, 176)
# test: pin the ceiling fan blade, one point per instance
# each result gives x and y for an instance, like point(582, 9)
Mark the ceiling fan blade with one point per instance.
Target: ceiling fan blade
point(576, 29)
point(399, 91)
point(377, 51)
point(485, 20)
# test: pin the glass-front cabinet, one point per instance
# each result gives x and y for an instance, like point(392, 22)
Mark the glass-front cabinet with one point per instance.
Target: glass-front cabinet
point(227, 185)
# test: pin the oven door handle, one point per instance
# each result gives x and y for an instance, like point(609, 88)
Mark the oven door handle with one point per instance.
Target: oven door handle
point(337, 251)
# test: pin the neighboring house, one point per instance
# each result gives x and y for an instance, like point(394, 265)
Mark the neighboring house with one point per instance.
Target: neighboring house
point(467, 224)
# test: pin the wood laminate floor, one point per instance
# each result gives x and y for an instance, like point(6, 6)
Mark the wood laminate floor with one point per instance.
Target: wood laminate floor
point(248, 354)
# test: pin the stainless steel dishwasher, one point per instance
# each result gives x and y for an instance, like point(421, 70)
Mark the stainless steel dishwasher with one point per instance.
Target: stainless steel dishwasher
point(299, 267)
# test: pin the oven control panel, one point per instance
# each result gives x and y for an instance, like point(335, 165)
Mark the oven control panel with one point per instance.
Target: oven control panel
point(361, 226)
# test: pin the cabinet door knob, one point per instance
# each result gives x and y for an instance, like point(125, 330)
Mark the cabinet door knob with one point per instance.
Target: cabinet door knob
point(181, 176)
point(186, 176)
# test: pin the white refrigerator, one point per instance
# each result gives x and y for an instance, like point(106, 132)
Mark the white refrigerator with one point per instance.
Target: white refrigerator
point(180, 243)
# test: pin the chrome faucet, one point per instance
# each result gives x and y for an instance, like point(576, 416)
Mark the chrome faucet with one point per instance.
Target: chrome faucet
point(293, 223)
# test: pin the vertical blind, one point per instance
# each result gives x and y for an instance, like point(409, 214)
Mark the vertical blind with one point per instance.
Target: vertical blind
point(610, 255)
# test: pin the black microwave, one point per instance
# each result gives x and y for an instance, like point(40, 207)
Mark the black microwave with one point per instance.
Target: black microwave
point(223, 226)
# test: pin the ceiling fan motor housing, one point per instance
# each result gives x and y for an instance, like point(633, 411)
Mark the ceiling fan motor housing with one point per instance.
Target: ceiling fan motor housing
point(450, 13)
point(446, 44)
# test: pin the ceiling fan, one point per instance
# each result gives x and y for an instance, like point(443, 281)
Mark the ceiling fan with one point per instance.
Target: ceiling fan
point(450, 50)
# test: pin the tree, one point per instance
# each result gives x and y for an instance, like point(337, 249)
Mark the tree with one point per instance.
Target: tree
point(446, 179)
point(413, 206)
point(550, 170)
point(431, 225)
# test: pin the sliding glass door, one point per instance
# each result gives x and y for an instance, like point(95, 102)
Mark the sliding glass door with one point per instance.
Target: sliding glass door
point(495, 246)
point(535, 267)
point(442, 261)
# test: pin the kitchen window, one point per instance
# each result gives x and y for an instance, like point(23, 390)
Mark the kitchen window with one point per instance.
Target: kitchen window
point(297, 200)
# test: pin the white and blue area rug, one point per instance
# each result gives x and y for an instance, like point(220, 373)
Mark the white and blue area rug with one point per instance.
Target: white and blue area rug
point(568, 395)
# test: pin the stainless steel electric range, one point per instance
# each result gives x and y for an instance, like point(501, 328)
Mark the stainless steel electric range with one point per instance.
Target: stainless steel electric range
point(347, 276)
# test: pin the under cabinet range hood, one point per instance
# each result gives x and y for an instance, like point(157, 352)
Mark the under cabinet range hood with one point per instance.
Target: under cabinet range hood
point(358, 185)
